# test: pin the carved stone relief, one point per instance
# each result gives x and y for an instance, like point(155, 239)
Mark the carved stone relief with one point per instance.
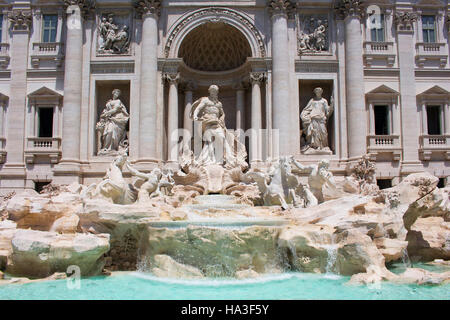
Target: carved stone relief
point(313, 34)
point(113, 35)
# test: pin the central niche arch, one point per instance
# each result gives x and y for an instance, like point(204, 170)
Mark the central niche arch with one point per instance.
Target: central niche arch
point(214, 46)
point(192, 20)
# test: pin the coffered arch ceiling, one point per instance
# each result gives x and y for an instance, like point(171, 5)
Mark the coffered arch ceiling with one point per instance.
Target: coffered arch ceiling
point(214, 46)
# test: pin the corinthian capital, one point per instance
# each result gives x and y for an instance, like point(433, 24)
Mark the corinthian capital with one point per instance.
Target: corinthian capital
point(148, 7)
point(280, 7)
point(348, 8)
point(257, 77)
point(404, 20)
point(20, 20)
point(86, 6)
point(172, 78)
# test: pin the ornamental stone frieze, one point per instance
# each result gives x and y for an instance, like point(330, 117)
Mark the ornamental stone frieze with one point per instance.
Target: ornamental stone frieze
point(20, 20)
point(404, 20)
point(148, 7)
point(348, 8)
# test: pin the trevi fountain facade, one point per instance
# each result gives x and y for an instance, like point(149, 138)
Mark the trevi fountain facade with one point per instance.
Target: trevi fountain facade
point(225, 139)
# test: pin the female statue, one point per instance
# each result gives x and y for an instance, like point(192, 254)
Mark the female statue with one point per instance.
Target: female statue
point(314, 119)
point(112, 126)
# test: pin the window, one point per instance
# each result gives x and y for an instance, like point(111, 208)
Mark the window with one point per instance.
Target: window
point(45, 125)
point(384, 183)
point(434, 120)
point(377, 32)
point(441, 183)
point(49, 28)
point(429, 28)
point(381, 115)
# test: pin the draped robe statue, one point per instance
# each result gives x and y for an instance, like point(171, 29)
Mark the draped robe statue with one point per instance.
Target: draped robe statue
point(314, 121)
point(220, 146)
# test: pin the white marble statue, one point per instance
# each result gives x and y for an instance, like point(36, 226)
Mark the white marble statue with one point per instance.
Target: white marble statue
point(314, 122)
point(113, 39)
point(319, 177)
point(112, 127)
point(279, 186)
point(153, 183)
point(113, 188)
point(219, 143)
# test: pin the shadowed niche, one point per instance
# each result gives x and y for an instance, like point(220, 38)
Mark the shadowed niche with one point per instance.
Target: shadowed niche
point(214, 47)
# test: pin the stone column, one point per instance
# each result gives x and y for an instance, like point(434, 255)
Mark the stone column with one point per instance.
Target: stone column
point(15, 141)
point(72, 85)
point(172, 123)
point(395, 119)
point(256, 79)
point(280, 74)
point(446, 118)
point(350, 11)
point(424, 119)
point(371, 119)
point(150, 10)
point(240, 105)
point(409, 115)
point(187, 121)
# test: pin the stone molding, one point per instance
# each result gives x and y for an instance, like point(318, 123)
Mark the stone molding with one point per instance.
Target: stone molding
point(226, 15)
point(405, 21)
point(349, 8)
point(151, 7)
point(20, 20)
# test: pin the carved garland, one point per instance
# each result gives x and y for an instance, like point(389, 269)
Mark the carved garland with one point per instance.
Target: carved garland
point(216, 12)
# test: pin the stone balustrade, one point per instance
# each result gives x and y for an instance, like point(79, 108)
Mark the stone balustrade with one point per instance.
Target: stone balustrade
point(43, 147)
point(49, 51)
point(376, 52)
point(427, 53)
point(430, 145)
point(379, 144)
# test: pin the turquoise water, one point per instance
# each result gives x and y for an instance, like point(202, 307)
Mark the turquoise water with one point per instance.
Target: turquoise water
point(139, 286)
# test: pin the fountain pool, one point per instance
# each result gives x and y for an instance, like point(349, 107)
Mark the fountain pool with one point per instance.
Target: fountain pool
point(138, 286)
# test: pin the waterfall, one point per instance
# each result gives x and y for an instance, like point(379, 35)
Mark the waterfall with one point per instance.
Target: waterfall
point(405, 258)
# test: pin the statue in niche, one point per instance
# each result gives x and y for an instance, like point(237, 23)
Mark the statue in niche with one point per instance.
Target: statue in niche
point(112, 126)
point(314, 38)
point(113, 39)
point(314, 123)
point(209, 111)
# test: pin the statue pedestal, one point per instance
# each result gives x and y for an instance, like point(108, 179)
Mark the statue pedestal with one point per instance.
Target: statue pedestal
point(324, 151)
